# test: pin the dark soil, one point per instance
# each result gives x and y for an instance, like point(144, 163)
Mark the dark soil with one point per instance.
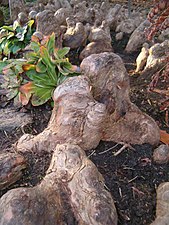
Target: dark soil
point(131, 177)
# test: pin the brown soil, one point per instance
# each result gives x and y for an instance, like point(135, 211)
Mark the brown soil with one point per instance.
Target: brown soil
point(131, 177)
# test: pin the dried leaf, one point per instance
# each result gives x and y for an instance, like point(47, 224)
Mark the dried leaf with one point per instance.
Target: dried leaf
point(164, 137)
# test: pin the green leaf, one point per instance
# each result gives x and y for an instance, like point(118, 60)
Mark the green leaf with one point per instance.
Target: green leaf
point(60, 53)
point(2, 65)
point(40, 67)
point(51, 43)
point(10, 35)
point(46, 59)
point(16, 49)
point(15, 25)
point(6, 49)
point(35, 46)
point(9, 28)
point(12, 93)
point(41, 96)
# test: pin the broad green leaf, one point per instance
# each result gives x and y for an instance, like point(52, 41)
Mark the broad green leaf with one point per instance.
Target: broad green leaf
point(41, 96)
point(9, 28)
point(10, 34)
point(51, 43)
point(60, 53)
point(35, 46)
point(2, 65)
point(16, 49)
point(12, 93)
point(40, 67)
point(6, 49)
point(46, 59)
point(15, 25)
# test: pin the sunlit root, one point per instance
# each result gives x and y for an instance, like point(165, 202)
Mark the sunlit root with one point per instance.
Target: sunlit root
point(110, 84)
point(77, 118)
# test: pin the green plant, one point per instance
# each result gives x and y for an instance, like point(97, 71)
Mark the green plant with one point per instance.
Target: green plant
point(35, 78)
point(12, 78)
point(15, 37)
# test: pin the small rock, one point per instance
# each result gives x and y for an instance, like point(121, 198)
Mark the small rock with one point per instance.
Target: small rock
point(161, 154)
point(157, 55)
point(137, 38)
point(126, 26)
point(46, 22)
point(119, 36)
point(11, 166)
point(142, 58)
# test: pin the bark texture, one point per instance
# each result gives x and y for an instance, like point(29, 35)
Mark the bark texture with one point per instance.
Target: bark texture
point(72, 192)
point(11, 166)
point(92, 107)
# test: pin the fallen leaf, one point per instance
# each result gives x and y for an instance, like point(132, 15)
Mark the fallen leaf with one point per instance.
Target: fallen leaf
point(164, 137)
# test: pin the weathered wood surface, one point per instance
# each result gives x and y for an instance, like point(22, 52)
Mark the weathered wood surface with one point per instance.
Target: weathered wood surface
point(92, 107)
point(72, 192)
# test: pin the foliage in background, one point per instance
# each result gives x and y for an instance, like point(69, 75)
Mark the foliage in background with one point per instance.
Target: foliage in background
point(14, 38)
point(159, 18)
point(6, 13)
point(35, 78)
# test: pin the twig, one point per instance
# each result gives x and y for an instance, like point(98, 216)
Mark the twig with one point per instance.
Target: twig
point(122, 148)
point(133, 179)
point(120, 192)
point(100, 153)
point(91, 153)
point(137, 191)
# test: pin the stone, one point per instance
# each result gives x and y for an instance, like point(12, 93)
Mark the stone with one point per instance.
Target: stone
point(22, 18)
point(11, 166)
point(61, 15)
point(11, 119)
point(126, 26)
point(157, 54)
point(47, 22)
point(161, 154)
point(138, 38)
point(53, 5)
point(119, 36)
point(162, 208)
point(16, 6)
point(113, 15)
point(75, 35)
point(142, 58)
point(100, 41)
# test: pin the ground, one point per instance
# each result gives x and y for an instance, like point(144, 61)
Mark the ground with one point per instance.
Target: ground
point(131, 176)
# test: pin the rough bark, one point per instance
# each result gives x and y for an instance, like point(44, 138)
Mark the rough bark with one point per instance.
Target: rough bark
point(110, 83)
point(72, 192)
point(11, 166)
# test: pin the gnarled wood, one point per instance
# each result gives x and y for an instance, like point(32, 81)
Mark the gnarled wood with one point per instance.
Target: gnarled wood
point(71, 181)
point(92, 107)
